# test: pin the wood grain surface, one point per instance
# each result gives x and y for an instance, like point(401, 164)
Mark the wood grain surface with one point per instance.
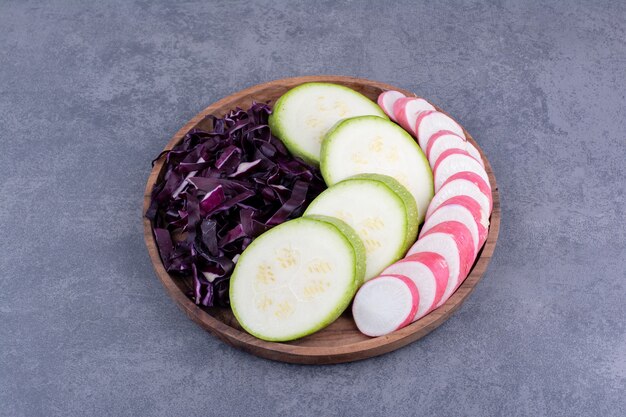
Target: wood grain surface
point(341, 341)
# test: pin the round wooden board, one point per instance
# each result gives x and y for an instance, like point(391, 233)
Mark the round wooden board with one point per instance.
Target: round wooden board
point(341, 341)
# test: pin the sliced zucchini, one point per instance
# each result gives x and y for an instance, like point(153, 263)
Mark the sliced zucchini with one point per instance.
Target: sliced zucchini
point(303, 115)
point(296, 278)
point(379, 209)
point(368, 144)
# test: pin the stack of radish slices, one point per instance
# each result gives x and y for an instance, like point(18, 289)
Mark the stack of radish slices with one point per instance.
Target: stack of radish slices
point(455, 227)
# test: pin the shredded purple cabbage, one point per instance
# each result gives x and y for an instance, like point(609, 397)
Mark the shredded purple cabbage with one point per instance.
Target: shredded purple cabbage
point(220, 190)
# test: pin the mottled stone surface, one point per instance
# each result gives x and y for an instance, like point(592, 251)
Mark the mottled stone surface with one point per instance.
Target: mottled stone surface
point(90, 93)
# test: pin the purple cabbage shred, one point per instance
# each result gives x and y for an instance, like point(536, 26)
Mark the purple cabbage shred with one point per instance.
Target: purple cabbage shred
point(220, 190)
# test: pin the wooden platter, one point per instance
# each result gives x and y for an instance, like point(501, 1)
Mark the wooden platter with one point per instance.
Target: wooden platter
point(341, 341)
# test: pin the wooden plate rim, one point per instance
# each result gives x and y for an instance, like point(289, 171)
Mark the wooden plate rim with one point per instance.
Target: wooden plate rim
point(310, 354)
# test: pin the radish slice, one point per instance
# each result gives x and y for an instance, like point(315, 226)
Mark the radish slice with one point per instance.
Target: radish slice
point(384, 304)
point(429, 272)
point(463, 239)
point(430, 122)
point(444, 140)
point(453, 242)
point(456, 212)
point(407, 109)
point(463, 183)
point(386, 101)
point(484, 186)
point(453, 161)
point(481, 217)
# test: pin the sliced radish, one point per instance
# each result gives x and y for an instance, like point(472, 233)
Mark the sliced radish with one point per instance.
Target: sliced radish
point(454, 161)
point(485, 186)
point(407, 109)
point(386, 101)
point(429, 272)
point(384, 304)
point(463, 183)
point(453, 242)
point(456, 212)
point(444, 140)
point(430, 122)
point(463, 239)
point(481, 217)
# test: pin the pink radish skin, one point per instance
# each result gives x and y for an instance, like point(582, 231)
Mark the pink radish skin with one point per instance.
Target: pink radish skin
point(384, 304)
point(463, 183)
point(429, 272)
point(429, 123)
point(386, 101)
point(445, 246)
point(444, 140)
point(454, 212)
point(453, 242)
point(463, 239)
point(455, 151)
point(415, 297)
point(407, 109)
point(437, 135)
point(456, 227)
point(485, 186)
point(453, 161)
point(481, 217)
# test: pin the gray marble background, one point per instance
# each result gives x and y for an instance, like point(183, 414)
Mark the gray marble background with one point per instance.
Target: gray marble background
point(90, 92)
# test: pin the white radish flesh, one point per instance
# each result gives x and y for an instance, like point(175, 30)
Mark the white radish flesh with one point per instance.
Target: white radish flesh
point(456, 212)
point(429, 272)
point(453, 242)
point(407, 109)
point(430, 122)
point(384, 304)
point(463, 239)
point(481, 217)
point(454, 161)
point(463, 183)
point(386, 101)
point(444, 140)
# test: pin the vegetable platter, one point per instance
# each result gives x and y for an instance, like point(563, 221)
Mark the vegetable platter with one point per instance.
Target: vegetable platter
point(321, 219)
